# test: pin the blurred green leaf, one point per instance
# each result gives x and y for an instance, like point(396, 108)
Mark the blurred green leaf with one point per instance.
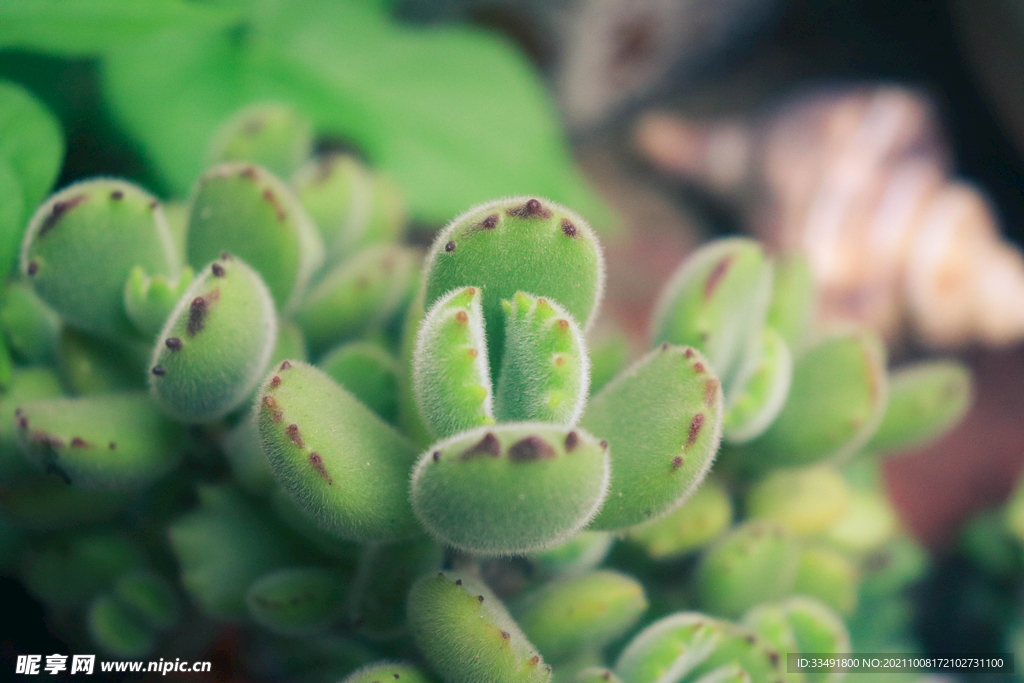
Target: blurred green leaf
point(11, 209)
point(85, 27)
point(454, 115)
point(31, 141)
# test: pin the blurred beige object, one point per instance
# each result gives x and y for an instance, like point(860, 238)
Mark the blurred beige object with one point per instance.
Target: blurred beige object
point(611, 52)
point(859, 180)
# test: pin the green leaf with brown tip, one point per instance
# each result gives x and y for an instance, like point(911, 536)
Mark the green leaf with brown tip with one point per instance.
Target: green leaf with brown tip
point(545, 371)
point(802, 625)
point(836, 402)
point(245, 210)
point(596, 674)
point(26, 385)
point(357, 295)
point(717, 302)
point(450, 375)
point(690, 647)
point(694, 524)
point(109, 222)
point(569, 615)
point(520, 244)
point(752, 408)
point(106, 442)
point(925, 400)
point(663, 420)
point(510, 488)
point(215, 345)
point(387, 671)
point(297, 601)
point(273, 135)
point(338, 461)
point(756, 562)
point(467, 635)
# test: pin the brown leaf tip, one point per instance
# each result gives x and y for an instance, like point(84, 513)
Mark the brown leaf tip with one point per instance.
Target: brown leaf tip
point(450, 247)
point(472, 353)
point(688, 353)
point(568, 229)
point(470, 291)
point(698, 367)
point(158, 370)
point(563, 324)
point(225, 256)
point(318, 464)
point(695, 425)
point(458, 582)
point(604, 445)
point(462, 317)
point(677, 462)
point(664, 346)
point(534, 660)
point(218, 270)
point(488, 445)
point(271, 198)
point(117, 195)
point(531, 209)
point(285, 365)
point(173, 343)
point(572, 440)
point(436, 456)
point(275, 410)
point(79, 442)
point(57, 212)
point(196, 316)
point(275, 382)
point(505, 635)
point(710, 392)
point(717, 273)
point(530, 449)
point(33, 267)
point(490, 222)
point(248, 172)
point(293, 433)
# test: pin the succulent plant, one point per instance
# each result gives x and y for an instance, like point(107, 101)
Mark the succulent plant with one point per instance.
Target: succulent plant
point(383, 467)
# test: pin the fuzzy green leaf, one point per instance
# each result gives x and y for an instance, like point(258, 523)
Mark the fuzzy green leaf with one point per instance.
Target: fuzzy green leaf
point(510, 488)
point(663, 420)
point(340, 463)
point(467, 635)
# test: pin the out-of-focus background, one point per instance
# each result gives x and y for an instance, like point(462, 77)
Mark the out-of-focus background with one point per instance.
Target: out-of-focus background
point(884, 139)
